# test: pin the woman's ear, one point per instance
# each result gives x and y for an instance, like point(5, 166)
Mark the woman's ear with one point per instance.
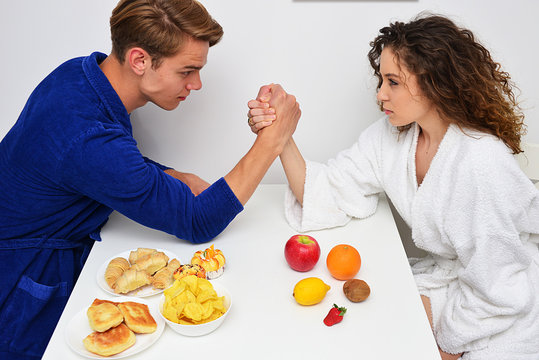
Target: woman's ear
point(138, 60)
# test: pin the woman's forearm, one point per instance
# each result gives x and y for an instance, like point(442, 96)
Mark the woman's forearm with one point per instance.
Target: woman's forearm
point(294, 168)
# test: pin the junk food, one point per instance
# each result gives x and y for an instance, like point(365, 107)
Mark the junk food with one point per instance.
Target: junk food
point(110, 342)
point(164, 277)
point(140, 253)
point(189, 269)
point(192, 300)
point(115, 269)
point(130, 280)
point(151, 263)
point(104, 316)
point(137, 317)
point(212, 260)
point(133, 318)
point(124, 276)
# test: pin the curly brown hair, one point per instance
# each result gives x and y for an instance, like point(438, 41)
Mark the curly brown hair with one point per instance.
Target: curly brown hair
point(455, 72)
point(160, 26)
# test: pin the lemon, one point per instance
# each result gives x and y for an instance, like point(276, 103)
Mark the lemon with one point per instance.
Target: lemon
point(310, 291)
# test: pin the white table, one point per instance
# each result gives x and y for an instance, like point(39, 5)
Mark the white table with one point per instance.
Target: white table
point(265, 322)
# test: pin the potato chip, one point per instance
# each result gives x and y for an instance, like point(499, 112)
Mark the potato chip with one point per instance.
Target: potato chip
point(192, 300)
point(206, 295)
point(193, 311)
point(207, 309)
point(191, 282)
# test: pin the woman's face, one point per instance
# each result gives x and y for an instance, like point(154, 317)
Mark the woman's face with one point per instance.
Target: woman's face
point(400, 95)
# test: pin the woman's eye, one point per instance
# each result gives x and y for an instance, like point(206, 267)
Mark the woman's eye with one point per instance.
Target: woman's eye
point(392, 82)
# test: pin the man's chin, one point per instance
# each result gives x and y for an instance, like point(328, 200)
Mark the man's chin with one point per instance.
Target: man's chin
point(169, 107)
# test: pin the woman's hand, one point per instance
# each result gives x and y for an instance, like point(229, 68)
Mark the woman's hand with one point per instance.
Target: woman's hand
point(260, 113)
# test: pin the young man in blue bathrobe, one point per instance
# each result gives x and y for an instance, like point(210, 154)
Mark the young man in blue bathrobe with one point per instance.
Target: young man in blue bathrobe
point(70, 160)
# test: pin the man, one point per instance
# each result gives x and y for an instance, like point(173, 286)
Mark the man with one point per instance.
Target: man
point(70, 160)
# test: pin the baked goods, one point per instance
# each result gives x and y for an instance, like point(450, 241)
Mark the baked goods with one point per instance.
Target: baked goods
point(164, 277)
point(140, 253)
point(130, 280)
point(115, 269)
point(133, 318)
point(104, 316)
point(189, 269)
point(151, 263)
point(212, 260)
point(124, 276)
point(110, 342)
point(137, 317)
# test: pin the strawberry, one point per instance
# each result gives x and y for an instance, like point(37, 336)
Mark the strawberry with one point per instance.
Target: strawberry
point(335, 315)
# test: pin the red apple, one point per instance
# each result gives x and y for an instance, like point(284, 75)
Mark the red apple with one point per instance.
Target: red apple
point(302, 252)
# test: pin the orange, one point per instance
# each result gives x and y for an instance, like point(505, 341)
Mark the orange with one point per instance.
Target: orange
point(343, 262)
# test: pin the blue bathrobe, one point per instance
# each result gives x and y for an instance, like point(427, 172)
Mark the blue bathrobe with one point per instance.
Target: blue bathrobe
point(67, 163)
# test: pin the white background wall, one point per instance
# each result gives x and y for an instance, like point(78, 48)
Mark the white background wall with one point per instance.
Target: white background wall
point(315, 49)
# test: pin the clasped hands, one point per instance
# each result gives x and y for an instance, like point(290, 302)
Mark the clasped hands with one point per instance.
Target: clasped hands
point(273, 106)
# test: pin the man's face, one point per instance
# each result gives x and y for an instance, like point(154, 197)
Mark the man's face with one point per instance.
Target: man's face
point(177, 75)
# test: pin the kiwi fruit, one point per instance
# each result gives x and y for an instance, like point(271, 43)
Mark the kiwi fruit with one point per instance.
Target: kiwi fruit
point(356, 290)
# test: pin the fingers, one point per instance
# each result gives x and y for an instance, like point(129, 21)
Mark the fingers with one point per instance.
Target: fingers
point(253, 104)
point(260, 118)
point(264, 94)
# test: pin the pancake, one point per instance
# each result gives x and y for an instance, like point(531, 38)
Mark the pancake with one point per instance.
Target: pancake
point(137, 317)
point(110, 342)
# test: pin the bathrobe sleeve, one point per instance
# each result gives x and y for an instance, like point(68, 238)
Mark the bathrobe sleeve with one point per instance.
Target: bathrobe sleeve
point(104, 164)
point(492, 209)
point(347, 186)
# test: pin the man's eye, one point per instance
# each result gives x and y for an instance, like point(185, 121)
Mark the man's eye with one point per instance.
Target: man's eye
point(186, 73)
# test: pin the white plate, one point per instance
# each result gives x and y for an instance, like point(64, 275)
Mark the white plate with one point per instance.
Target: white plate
point(78, 328)
point(147, 290)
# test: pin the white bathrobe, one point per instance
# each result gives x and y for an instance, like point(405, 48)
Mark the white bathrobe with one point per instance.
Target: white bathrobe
point(473, 214)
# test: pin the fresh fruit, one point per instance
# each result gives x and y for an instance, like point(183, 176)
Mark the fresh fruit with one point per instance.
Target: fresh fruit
point(302, 252)
point(356, 290)
point(335, 315)
point(310, 291)
point(343, 262)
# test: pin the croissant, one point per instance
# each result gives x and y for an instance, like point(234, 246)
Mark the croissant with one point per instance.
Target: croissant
point(152, 263)
point(131, 280)
point(164, 277)
point(115, 269)
point(139, 254)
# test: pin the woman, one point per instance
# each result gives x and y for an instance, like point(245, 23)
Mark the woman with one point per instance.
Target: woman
point(443, 153)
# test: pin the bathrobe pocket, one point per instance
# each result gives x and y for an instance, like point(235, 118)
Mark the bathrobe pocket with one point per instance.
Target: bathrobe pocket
point(32, 308)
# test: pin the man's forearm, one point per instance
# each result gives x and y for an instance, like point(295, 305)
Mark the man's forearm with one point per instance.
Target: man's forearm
point(247, 174)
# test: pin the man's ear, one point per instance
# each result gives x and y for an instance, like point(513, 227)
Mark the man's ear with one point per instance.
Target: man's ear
point(138, 60)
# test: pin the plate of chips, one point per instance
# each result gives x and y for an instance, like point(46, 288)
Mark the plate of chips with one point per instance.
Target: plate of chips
point(193, 306)
point(79, 328)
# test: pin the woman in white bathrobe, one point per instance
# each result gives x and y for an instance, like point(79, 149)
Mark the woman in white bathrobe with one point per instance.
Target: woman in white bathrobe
point(443, 154)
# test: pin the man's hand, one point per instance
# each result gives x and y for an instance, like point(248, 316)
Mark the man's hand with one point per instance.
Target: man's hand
point(287, 114)
point(195, 183)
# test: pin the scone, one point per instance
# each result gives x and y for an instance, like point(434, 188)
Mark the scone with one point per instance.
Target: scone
point(104, 316)
point(110, 342)
point(137, 317)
